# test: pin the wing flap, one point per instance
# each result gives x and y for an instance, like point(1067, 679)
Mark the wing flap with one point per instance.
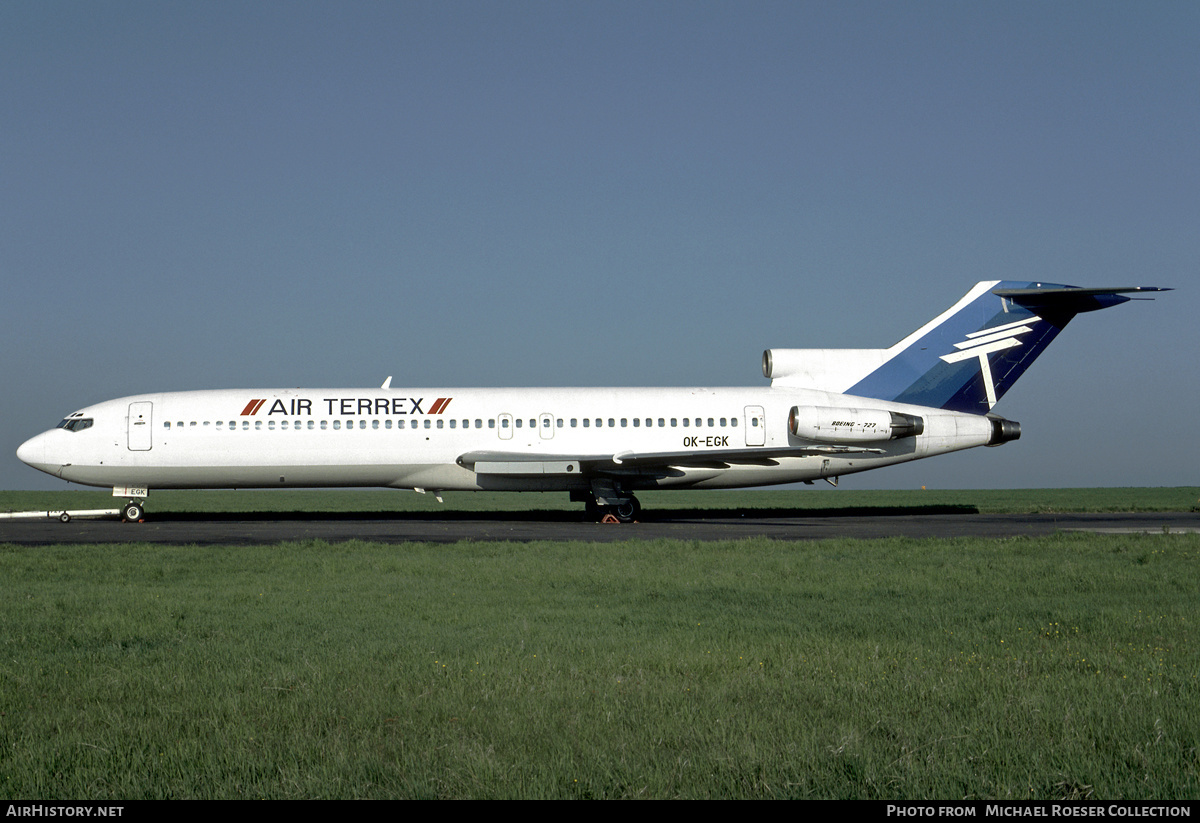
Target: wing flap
point(525, 463)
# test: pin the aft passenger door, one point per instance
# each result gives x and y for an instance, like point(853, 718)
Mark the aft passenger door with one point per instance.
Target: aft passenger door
point(140, 426)
point(756, 426)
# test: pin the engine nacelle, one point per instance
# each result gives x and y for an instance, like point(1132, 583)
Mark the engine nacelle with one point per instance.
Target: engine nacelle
point(828, 424)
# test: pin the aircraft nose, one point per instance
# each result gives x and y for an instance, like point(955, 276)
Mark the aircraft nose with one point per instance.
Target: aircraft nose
point(33, 453)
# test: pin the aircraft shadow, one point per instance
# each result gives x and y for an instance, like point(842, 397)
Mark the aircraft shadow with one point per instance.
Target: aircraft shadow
point(549, 516)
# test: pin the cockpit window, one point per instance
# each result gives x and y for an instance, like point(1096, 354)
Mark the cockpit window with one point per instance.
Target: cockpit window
point(76, 424)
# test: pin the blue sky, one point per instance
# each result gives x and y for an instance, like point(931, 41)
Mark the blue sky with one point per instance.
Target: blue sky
point(221, 194)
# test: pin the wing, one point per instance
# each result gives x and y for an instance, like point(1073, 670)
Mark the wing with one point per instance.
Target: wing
point(514, 463)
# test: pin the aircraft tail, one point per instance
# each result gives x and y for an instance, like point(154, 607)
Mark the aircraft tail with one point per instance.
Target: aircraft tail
point(964, 360)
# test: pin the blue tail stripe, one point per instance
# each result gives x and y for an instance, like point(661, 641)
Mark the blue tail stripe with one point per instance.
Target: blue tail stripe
point(941, 369)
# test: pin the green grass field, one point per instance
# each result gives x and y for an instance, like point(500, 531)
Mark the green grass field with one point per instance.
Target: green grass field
point(1057, 667)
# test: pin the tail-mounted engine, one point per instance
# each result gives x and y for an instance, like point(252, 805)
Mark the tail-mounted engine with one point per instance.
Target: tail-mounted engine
point(1003, 430)
point(827, 424)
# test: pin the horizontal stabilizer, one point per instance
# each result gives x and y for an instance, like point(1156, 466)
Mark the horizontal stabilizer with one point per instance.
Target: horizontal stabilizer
point(1071, 299)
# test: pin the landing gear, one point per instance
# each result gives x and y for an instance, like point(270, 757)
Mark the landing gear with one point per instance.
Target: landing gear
point(628, 511)
point(608, 502)
point(133, 512)
point(625, 510)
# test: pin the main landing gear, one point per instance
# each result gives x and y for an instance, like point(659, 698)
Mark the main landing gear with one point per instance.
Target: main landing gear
point(625, 512)
point(607, 503)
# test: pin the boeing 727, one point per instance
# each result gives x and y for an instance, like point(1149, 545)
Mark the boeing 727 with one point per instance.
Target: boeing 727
point(826, 413)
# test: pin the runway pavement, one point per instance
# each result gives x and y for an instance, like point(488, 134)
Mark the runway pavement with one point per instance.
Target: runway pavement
point(242, 529)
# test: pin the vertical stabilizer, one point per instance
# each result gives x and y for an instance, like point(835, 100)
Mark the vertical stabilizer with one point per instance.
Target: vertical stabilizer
point(969, 356)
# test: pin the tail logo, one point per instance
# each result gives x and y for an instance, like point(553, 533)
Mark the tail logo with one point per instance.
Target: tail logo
point(982, 343)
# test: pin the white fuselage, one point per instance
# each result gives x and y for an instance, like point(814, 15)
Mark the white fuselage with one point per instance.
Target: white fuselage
point(414, 438)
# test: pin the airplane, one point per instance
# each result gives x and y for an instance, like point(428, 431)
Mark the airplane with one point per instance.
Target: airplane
point(826, 413)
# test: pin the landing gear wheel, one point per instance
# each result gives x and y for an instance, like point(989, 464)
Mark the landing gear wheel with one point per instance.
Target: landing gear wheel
point(64, 518)
point(133, 512)
point(628, 511)
point(625, 511)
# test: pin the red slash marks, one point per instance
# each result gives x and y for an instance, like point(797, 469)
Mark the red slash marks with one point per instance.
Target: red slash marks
point(252, 407)
point(440, 405)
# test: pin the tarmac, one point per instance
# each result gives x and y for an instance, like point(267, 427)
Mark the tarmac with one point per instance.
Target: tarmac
point(387, 527)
